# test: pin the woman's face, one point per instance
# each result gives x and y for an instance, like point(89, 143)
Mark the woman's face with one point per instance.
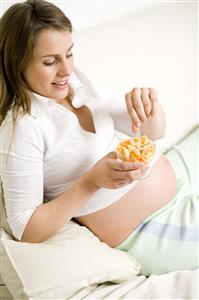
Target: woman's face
point(51, 65)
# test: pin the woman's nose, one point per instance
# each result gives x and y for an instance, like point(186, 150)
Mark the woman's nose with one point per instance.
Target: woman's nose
point(65, 68)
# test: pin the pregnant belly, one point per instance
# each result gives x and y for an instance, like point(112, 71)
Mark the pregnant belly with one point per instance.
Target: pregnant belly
point(114, 223)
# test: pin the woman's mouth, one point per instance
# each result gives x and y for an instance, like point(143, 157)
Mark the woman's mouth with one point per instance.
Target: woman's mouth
point(60, 84)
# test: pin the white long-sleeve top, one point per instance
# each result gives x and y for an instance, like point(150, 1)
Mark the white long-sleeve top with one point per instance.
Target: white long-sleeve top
point(50, 150)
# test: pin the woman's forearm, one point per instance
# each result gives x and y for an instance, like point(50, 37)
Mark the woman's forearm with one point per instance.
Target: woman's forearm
point(48, 218)
point(154, 127)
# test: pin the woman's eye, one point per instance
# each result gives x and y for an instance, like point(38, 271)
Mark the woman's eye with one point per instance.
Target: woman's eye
point(69, 55)
point(49, 63)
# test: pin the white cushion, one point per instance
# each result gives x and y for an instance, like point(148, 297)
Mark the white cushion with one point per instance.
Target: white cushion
point(60, 266)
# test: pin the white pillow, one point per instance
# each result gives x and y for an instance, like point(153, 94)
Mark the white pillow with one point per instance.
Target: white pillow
point(57, 268)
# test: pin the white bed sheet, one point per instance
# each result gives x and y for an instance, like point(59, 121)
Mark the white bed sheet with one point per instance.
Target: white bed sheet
point(173, 285)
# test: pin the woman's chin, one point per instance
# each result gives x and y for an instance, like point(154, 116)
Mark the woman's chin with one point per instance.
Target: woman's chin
point(60, 94)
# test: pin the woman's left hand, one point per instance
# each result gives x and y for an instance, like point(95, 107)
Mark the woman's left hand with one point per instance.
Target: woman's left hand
point(141, 104)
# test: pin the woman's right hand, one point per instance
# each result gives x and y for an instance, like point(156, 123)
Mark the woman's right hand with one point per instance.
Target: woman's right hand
point(112, 173)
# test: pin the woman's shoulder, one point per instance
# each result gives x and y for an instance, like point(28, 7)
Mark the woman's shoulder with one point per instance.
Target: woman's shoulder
point(22, 121)
point(22, 136)
point(26, 120)
point(25, 128)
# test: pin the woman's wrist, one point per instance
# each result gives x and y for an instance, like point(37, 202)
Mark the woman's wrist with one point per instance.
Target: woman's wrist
point(88, 183)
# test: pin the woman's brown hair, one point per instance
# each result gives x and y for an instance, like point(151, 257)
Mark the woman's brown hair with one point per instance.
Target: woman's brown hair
point(18, 27)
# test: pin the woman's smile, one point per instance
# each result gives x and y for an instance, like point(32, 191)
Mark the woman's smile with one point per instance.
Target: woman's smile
point(60, 84)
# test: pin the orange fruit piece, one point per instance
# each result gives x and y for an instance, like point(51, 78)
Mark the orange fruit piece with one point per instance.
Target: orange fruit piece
point(137, 149)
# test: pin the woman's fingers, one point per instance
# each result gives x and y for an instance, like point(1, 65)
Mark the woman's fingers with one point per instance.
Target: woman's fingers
point(130, 108)
point(128, 171)
point(135, 106)
point(154, 102)
point(138, 104)
point(141, 103)
point(129, 175)
point(135, 128)
point(134, 116)
point(119, 165)
point(146, 101)
point(110, 172)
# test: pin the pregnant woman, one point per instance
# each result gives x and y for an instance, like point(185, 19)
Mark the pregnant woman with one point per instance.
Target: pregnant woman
point(58, 158)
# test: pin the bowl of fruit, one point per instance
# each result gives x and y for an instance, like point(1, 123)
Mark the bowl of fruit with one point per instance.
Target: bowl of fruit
point(136, 149)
